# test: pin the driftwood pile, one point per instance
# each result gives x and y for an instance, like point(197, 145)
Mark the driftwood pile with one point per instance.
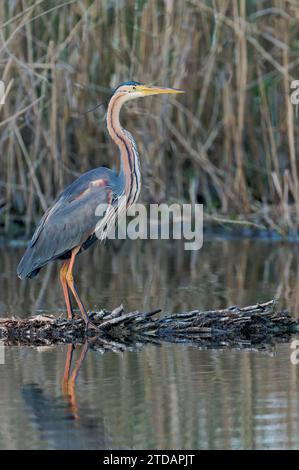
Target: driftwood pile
point(256, 326)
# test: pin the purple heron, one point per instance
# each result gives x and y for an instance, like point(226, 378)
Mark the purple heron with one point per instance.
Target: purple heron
point(68, 226)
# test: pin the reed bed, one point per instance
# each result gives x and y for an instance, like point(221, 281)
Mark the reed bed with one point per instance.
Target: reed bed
point(229, 142)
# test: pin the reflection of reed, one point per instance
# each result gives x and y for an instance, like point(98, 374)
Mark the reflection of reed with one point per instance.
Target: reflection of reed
point(161, 274)
point(176, 397)
point(168, 397)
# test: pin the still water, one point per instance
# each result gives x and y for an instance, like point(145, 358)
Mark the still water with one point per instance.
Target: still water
point(173, 396)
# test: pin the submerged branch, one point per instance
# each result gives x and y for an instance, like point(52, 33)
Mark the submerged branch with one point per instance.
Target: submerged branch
point(254, 326)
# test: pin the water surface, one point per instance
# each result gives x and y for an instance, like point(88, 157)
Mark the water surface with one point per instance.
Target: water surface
point(173, 396)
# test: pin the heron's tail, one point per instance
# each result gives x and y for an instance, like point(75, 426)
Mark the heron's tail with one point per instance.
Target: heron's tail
point(27, 266)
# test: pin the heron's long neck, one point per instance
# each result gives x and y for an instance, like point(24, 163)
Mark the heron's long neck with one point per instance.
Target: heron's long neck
point(129, 158)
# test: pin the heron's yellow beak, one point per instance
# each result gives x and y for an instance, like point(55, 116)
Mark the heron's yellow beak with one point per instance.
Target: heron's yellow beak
point(156, 90)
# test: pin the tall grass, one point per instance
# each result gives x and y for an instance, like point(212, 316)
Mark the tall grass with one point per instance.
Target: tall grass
point(230, 141)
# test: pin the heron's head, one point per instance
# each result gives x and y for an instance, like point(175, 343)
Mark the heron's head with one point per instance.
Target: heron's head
point(131, 90)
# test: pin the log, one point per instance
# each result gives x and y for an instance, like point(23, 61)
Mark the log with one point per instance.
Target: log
point(252, 327)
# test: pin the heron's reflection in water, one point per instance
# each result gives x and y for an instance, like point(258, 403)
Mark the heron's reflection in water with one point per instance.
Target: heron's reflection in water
point(70, 376)
point(62, 423)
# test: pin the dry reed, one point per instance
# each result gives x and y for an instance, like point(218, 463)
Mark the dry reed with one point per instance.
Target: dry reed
point(230, 142)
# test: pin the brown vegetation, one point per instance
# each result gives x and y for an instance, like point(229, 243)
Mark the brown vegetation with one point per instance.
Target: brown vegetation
point(230, 142)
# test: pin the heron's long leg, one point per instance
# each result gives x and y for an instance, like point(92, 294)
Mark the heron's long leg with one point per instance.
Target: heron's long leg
point(63, 273)
point(71, 284)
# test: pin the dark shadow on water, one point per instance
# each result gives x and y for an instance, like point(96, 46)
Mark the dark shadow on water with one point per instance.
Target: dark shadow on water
point(60, 422)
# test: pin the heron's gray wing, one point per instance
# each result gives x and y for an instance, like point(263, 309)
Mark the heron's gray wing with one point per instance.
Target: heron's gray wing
point(69, 222)
point(99, 176)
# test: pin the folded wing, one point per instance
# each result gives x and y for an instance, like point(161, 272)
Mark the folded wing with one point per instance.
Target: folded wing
point(70, 222)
